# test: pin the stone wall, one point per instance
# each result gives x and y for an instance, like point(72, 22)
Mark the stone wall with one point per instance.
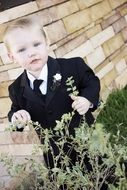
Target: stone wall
point(96, 30)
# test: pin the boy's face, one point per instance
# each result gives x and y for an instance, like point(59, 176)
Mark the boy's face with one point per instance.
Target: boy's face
point(28, 48)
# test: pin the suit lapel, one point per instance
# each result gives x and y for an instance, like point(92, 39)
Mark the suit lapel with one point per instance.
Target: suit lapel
point(53, 68)
point(28, 92)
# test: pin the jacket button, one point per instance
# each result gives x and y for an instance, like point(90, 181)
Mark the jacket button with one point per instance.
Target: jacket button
point(50, 112)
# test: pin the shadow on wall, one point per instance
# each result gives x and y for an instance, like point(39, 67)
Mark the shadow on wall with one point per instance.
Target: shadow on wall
point(5, 4)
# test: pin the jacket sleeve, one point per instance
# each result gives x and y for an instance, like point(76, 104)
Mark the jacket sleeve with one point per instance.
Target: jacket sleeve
point(89, 83)
point(14, 106)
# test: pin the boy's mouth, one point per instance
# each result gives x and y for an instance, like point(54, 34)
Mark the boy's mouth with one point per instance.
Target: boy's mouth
point(35, 61)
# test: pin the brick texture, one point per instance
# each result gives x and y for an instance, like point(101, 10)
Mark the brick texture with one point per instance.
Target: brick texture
point(4, 88)
point(70, 45)
point(48, 3)
point(55, 31)
point(4, 106)
point(121, 80)
point(124, 34)
point(110, 20)
point(113, 44)
point(80, 51)
point(105, 70)
point(88, 3)
point(119, 25)
point(77, 21)
point(63, 10)
point(121, 66)
point(96, 11)
point(103, 36)
point(116, 3)
point(95, 58)
point(93, 31)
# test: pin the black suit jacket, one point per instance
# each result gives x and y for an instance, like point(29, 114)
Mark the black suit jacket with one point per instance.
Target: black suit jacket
point(57, 101)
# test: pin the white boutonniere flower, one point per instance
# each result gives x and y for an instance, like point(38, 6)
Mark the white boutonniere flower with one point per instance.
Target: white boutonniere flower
point(56, 81)
point(57, 77)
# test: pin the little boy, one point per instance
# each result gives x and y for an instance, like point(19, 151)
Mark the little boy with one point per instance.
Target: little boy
point(40, 92)
point(48, 99)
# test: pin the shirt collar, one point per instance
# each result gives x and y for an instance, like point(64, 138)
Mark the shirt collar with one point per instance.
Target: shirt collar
point(43, 75)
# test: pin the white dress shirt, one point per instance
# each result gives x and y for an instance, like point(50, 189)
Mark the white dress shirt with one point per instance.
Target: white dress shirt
point(43, 76)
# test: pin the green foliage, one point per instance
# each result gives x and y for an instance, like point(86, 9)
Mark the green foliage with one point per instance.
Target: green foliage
point(71, 87)
point(93, 143)
point(92, 146)
point(114, 115)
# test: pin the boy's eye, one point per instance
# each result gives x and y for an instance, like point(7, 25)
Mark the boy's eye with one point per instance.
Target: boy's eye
point(37, 44)
point(21, 50)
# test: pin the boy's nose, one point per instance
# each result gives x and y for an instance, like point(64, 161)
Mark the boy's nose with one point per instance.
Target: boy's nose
point(31, 53)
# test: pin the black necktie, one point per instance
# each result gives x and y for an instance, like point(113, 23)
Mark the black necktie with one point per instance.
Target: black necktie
point(37, 84)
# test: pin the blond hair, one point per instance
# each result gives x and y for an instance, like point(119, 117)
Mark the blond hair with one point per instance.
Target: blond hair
point(21, 23)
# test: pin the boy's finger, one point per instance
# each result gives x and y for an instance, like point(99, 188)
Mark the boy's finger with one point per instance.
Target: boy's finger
point(73, 97)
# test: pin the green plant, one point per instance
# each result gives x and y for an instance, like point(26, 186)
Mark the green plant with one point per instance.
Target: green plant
point(114, 115)
point(106, 160)
point(98, 162)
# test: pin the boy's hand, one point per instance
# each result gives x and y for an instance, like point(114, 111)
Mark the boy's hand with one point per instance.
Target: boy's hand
point(80, 104)
point(21, 115)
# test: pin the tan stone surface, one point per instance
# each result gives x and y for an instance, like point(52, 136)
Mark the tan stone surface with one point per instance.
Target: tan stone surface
point(44, 17)
point(120, 55)
point(28, 137)
point(121, 80)
point(125, 17)
point(70, 45)
point(90, 26)
point(4, 77)
point(77, 21)
point(48, 3)
point(14, 73)
point(81, 4)
point(8, 67)
point(4, 88)
point(110, 77)
point(4, 106)
point(17, 149)
point(113, 44)
point(110, 20)
point(95, 58)
point(119, 25)
point(123, 9)
point(121, 66)
point(116, 3)
point(102, 84)
point(124, 34)
point(105, 70)
point(93, 31)
point(102, 65)
point(113, 12)
point(96, 10)
point(2, 28)
point(102, 36)
point(81, 51)
point(55, 31)
point(89, 3)
point(69, 37)
point(3, 49)
point(63, 10)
